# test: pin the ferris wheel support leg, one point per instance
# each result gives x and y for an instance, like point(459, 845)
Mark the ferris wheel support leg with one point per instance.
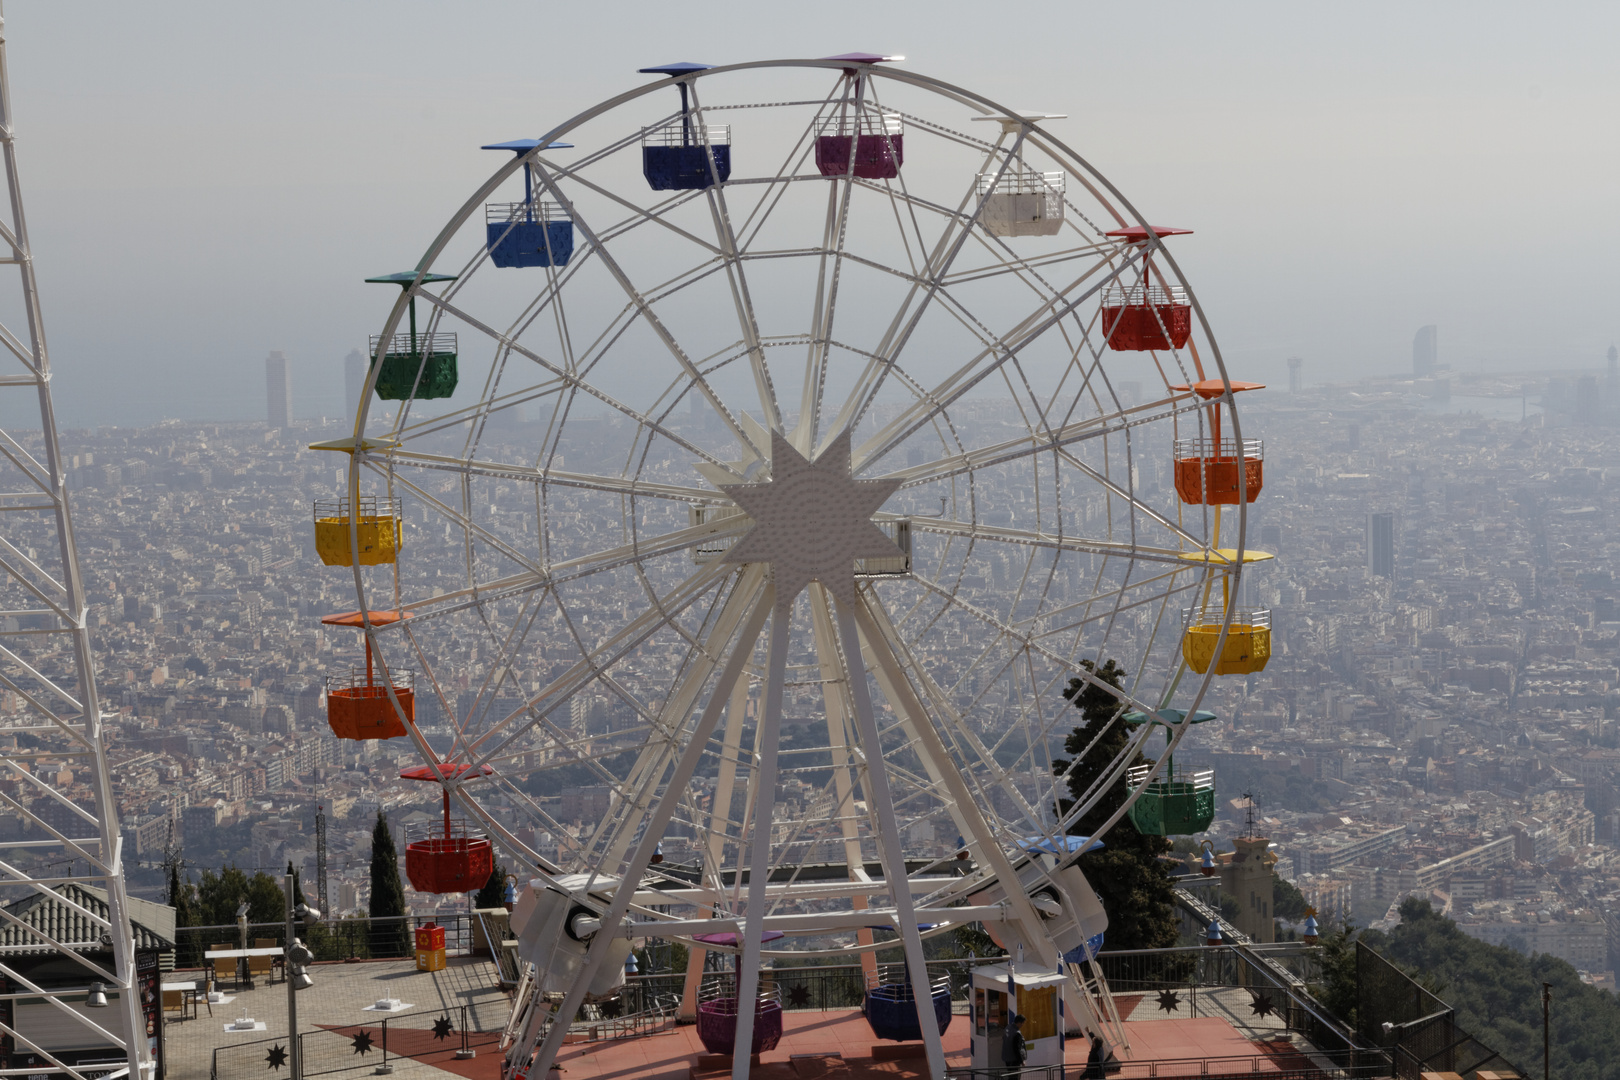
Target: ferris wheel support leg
point(889, 847)
point(834, 687)
point(764, 784)
point(932, 750)
point(687, 765)
point(719, 811)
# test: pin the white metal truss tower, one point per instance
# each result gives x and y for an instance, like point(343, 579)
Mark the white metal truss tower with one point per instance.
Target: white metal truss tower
point(50, 714)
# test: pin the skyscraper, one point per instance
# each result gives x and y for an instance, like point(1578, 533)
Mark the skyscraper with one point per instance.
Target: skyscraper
point(277, 390)
point(1381, 545)
point(1425, 352)
point(354, 381)
point(1296, 377)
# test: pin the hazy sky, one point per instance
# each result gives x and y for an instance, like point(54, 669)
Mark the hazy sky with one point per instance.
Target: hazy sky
point(209, 181)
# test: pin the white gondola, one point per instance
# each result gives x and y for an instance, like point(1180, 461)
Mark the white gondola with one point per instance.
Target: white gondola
point(1020, 203)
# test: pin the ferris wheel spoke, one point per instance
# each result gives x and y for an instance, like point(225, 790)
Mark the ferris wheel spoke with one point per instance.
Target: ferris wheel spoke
point(1025, 538)
point(1027, 641)
point(664, 735)
point(579, 384)
point(568, 570)
point(645, 309)
point(600, 659)
point(957, 230)
point(546, 475)
point(737, 278)
point(636, 216)
point(966, 378)
point(895, 647)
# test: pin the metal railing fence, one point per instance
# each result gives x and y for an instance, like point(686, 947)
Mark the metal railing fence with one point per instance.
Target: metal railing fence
point(358, 938)
point(432, 1035)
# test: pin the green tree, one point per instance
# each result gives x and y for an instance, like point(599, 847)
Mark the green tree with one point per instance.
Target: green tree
point(493, 893)
point(219, 895)
point(1129, 872)
point(391, 937)
point(182, 897)
point(1287, 902)
point(267, 900)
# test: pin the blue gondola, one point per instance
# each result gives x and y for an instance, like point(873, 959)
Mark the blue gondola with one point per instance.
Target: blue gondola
point(891, 1006)
point(532, 232)
point(686, 156)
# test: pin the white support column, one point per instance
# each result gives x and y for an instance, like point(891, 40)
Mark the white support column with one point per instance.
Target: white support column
point(719, 811)
point(890, 849)
point(759, 862)
point(742, 648)
point(834, 687)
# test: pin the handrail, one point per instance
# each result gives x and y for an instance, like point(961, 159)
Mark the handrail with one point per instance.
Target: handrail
point(1203, 780)
point(1227, 447)
point(405, 345)
point(1132, 296)
point(673, 134)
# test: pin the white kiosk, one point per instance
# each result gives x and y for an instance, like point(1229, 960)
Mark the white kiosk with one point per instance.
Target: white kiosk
point(1036, 995)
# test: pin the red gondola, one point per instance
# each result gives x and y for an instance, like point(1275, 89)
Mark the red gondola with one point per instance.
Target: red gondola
point(357, 705)
point(451, 858)
point(1146, 316)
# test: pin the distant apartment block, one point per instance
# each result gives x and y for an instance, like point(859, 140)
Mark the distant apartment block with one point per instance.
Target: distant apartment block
point(1335, 850)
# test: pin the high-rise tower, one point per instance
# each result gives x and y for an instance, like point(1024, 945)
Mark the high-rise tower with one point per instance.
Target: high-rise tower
point(1425, 351)
point(1296, 377)
point(63, 887)
point(1381, 545)
point(277, 390)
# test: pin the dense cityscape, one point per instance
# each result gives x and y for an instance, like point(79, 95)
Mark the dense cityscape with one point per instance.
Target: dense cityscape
point(1438, 718)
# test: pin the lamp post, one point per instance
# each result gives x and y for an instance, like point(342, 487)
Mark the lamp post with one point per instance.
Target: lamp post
point(244, 970)
point(298, 958)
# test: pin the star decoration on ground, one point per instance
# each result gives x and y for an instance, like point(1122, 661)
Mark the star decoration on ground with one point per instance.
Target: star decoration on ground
point(277, 1057)
point(799, 996)
point(812, 520)
point(1169, 1000)
point(362, 1042)
point(442, 1028)
point(1261, 1004)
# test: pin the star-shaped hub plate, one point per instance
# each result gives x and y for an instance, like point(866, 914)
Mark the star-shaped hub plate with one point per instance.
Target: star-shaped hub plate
point(442, 1028)
point(1262, 1003)
point(1169, 1001)
point(277, 1057)
point(362, 1042)
point(812, 520)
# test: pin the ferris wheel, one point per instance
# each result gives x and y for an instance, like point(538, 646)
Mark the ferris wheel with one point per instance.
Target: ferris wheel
point(768, 464)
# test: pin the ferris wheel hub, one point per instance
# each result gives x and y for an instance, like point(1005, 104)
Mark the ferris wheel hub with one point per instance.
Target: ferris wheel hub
point(812, 519)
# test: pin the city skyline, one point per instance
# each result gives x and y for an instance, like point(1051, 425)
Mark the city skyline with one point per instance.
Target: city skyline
point(315, 202)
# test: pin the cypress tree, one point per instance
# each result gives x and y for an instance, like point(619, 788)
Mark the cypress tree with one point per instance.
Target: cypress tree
point(1128, 873)
point(493, 892)
point(391, 938)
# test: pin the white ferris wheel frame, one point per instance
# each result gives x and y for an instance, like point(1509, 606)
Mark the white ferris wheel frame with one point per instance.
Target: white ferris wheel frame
point(864, 629)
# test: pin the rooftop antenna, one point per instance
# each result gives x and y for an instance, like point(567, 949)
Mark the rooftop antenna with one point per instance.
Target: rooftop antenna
point(1251, 826)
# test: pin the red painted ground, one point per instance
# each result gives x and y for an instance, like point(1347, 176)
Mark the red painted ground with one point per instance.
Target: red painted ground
point(672, 1054)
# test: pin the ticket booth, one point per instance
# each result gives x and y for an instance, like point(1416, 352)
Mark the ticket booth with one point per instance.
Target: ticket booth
point(1001, 991)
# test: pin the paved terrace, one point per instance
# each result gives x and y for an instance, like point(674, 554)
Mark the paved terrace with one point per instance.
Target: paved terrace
point(342, 1040)
point(334, 1005)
